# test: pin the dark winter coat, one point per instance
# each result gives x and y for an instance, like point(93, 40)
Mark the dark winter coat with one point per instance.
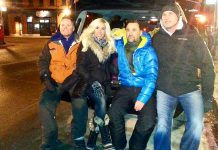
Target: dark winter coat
point(180, 57)
point(93, 62)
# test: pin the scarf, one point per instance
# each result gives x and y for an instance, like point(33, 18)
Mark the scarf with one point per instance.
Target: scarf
point(101, 42)
point(130, 48)
point(67, 42)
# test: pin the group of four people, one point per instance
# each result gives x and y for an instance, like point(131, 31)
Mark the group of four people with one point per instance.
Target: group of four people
point(83, 68)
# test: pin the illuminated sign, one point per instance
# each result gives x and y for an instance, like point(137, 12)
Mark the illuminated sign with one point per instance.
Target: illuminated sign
point(43, 13)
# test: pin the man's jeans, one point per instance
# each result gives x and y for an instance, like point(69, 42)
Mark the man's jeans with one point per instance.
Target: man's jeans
point(192, 104)
point(49, 101)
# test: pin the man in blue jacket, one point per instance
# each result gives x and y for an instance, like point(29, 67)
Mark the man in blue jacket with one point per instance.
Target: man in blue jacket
point(138, 69)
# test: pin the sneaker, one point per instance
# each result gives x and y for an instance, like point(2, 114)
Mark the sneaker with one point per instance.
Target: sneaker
point(91, 143)
point(90, 148)
point(108, 146)
point(105, 135)
point(78, 148)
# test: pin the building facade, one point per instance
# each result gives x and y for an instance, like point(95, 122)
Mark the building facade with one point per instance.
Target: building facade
point(34, 17)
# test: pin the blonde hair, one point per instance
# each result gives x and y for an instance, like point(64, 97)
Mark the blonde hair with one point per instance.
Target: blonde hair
point(89, 31)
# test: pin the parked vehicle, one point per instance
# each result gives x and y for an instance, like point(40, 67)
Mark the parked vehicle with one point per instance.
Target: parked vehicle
point(149, 18)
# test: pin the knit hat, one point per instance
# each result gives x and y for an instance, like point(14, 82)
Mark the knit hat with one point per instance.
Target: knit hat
point(172, 7)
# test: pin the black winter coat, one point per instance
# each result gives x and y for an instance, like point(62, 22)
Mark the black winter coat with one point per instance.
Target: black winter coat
point(180, 57)
point(90, 68)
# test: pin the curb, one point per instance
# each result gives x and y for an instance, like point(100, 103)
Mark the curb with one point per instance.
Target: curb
point(28, 37)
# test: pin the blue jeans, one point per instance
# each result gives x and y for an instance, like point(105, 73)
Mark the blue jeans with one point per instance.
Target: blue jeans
point(192, 104)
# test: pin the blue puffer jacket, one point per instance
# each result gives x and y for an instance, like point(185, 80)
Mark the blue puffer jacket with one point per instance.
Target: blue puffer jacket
point(145, 66)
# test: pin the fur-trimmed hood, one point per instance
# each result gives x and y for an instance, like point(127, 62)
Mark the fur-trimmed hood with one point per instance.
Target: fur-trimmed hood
point(102, 55)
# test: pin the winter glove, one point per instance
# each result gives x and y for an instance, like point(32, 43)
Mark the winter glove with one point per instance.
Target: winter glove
point(97, 89)
point(45, 78)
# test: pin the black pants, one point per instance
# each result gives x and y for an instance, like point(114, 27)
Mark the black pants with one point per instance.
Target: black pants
point(49, 101)
point(122, 104)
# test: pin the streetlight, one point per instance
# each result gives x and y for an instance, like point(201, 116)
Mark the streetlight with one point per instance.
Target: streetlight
point(201, 18)
point(3, 8)
point(67, 12)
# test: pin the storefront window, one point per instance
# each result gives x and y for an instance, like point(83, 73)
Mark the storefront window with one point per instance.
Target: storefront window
point(40, 24)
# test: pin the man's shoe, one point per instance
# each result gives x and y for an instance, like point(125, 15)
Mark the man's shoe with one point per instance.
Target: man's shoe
point(108, 146)
point(92, 140)
point(51, 146)
point(79, 145)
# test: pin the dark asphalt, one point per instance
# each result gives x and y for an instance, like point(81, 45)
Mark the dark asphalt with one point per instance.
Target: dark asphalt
point(20, 89)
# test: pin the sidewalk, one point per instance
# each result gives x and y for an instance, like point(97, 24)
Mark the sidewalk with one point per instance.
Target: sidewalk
point(27, 36)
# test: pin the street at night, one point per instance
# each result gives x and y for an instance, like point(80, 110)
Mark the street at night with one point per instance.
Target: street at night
point(20, 89)
point(179, 61)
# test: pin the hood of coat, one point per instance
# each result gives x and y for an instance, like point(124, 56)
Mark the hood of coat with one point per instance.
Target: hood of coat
point(102, 54)
point(187, 29)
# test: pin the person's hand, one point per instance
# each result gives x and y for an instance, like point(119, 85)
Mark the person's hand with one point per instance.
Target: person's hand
point(138, 105)
point(48, 85)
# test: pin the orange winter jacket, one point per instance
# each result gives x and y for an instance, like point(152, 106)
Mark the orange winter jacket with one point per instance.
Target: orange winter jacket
point(61, 64)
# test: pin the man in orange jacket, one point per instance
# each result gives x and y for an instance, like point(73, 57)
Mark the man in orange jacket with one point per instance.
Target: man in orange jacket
point(57, 64)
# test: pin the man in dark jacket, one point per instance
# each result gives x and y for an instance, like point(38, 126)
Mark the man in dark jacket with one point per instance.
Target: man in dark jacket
point(181, 54)
point(57, 64)
point(138, 67)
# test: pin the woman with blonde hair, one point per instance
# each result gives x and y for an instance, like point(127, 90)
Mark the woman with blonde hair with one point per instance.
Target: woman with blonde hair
point(94, 59)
